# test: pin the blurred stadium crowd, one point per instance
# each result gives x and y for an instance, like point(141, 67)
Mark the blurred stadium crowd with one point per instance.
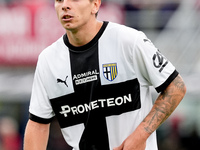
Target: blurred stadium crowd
point(26, 27)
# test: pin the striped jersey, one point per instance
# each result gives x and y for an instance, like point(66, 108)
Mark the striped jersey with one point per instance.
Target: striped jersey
point(99, 92)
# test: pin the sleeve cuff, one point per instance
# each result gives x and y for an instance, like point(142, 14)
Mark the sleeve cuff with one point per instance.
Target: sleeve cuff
point(39, 120)
point(167, 82)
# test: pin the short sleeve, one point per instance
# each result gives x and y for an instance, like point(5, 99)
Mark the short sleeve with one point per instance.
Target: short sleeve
point(151, 66)
point(40, 108)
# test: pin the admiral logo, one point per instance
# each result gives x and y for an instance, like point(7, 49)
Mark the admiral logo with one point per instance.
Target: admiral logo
point(110, 71)
point(85, 77)
point(100, 103)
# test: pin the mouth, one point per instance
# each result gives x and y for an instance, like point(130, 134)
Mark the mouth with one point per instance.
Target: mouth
point(67, 17)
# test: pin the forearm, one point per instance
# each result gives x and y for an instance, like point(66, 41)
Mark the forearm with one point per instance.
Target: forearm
point(36, 136)
point(164, 105)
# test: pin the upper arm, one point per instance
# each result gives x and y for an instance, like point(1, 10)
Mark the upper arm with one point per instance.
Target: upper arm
point(40, 127)
point(165, 104)
point(175, 88)
point(33, 131)
point(170, 98)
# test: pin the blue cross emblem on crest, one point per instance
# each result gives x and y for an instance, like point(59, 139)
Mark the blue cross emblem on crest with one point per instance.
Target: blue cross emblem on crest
point(110, 71)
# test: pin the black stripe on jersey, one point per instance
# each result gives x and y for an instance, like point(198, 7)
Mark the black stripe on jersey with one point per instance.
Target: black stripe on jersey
point(167, 82)
point(78, 103)
point(39, 120)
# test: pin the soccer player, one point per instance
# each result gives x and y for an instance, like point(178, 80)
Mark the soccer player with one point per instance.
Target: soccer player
point(95, 80)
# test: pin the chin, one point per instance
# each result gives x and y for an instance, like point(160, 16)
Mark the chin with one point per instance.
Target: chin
point(69, 28)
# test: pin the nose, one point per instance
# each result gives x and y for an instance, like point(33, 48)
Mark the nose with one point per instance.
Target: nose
point(66, 5)
point(65, 8)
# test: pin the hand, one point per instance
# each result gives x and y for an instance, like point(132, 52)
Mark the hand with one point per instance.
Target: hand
point(133, 142)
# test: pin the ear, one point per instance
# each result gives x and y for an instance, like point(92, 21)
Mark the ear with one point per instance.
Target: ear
point(96, 6)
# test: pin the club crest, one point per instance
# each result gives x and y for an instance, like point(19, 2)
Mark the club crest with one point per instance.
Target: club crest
point(110, 71)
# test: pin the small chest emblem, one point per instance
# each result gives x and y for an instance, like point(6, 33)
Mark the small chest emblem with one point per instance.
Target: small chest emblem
point(110, 71)
point(63, 81)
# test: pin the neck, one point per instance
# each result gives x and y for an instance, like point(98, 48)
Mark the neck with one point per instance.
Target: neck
point(84, 35)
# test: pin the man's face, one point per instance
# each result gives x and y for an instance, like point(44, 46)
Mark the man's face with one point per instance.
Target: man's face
point(74, 14)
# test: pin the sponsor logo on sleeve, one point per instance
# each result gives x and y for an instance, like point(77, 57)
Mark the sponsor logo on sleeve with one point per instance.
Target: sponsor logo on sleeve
point(159, 61)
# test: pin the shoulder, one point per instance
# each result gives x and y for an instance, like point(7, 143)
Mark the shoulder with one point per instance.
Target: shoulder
point(51, 54)
point(52, 49)
point(122, 32)
point(122, 29)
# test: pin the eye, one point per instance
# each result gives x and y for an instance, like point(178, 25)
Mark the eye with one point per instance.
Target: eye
point(59, 0)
